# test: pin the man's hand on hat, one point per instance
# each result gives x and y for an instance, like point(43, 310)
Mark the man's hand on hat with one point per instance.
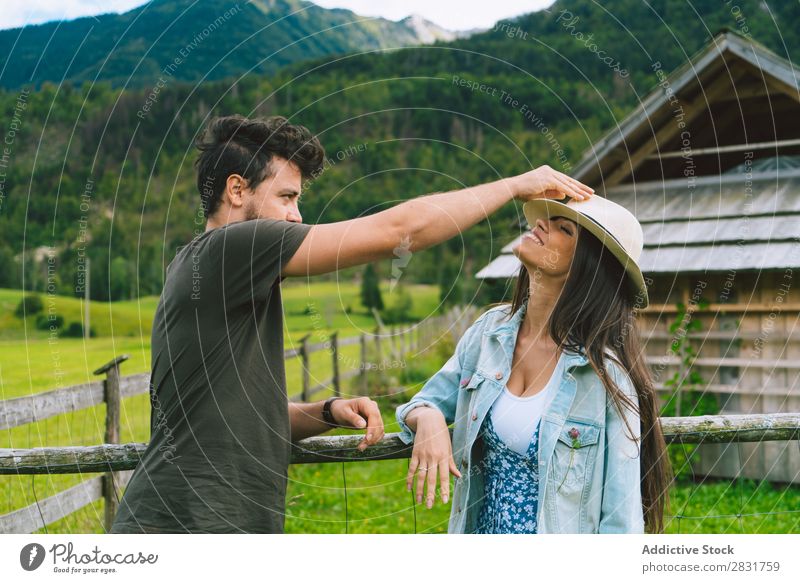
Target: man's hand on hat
point(544, 182)
point(359, 413)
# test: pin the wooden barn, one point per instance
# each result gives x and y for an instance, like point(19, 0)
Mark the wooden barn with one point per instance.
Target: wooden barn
point(710, 166)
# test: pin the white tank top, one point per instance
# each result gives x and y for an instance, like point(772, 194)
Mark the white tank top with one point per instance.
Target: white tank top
point(515, 418)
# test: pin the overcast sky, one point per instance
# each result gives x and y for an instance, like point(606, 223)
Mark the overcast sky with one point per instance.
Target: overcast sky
point(451, 14)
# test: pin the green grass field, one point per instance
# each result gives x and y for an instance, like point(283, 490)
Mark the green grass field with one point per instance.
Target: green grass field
point(31, 361)
point(375, 500)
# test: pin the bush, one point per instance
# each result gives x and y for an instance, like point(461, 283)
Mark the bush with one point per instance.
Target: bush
point(399, 311)
point(44, 322)
point(75, 330)
point(29, 305)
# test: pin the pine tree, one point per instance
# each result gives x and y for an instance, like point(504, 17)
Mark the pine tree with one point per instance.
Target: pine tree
point(370, 292)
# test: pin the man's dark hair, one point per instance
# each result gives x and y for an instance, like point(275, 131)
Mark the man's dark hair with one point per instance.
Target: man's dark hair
point(235, 144)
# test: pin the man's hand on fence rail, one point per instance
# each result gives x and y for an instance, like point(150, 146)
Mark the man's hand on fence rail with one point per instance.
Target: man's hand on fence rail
point(358, 414)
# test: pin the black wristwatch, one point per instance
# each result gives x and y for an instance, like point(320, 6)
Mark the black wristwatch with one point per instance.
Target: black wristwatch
point(327, 417)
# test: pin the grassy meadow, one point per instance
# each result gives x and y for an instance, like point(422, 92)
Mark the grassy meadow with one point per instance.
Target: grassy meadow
point(375, 499)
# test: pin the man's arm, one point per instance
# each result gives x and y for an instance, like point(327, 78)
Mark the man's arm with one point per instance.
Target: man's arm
point(361, 413)
point(421, 222)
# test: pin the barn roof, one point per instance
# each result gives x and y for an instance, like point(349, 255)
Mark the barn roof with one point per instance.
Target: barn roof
point(715, 89)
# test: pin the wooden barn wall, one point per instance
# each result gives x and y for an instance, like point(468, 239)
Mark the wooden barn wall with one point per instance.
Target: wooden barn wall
point(765, 307)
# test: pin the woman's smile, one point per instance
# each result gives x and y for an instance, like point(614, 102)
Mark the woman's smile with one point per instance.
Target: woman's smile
point(534, 236)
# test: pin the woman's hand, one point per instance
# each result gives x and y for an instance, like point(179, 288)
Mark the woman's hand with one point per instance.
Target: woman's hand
point(432, 455)
point(544, 182)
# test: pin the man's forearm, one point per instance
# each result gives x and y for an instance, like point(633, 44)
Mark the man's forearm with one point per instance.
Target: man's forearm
point(306, 420)
point(427, 220)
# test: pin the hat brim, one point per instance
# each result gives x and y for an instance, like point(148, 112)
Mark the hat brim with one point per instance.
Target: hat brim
point(544, 208)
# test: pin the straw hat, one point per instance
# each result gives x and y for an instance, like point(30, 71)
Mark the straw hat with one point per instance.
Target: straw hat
point(613, 224)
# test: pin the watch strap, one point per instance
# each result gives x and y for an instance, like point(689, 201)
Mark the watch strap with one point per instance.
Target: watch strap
point(327, 417)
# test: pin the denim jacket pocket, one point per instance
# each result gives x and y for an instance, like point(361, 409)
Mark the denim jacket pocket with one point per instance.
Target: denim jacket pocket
point(574, 455)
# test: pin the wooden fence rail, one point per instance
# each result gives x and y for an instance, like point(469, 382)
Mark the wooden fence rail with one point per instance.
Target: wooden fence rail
point(338, 448)
point(120, 459)
point(24, 410)
point(110, 458)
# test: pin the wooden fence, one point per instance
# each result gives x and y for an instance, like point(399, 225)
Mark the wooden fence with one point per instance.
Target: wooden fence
point(111, 458)
point(386, 341)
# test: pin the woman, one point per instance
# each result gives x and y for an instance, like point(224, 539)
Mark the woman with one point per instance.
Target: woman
point(555, 415)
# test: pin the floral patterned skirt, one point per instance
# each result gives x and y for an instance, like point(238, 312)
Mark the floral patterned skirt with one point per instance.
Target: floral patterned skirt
point(511, 495)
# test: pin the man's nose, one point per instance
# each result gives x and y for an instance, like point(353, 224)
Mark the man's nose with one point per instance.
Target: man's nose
point(294, 215)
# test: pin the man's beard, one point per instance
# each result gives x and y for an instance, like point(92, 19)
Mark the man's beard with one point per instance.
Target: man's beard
point(250, 211)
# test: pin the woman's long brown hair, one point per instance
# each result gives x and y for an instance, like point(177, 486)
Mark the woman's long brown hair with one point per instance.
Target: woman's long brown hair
point(596, 311)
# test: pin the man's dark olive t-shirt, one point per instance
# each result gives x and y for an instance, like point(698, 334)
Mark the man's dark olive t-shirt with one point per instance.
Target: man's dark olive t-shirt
point(219, 450)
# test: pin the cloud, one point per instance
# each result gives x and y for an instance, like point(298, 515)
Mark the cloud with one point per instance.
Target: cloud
point(451, 14)
point(17, 13)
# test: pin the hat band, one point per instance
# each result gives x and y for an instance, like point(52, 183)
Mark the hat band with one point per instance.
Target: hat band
point(607, 231)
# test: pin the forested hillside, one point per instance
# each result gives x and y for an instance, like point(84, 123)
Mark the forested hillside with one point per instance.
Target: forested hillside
point(191, 40)
point(116, 165)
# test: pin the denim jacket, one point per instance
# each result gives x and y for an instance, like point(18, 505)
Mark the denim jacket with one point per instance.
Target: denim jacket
point(597, 491)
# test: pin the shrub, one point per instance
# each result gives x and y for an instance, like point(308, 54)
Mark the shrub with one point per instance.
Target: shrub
point(400, 310)
point(75, 330)
point(29, 305)
point(45, 322)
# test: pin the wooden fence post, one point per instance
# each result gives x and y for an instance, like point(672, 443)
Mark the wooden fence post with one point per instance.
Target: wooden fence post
point(364, 364)
point(337, 389)
point(113, 399)
point(379, 354)
point(393, 344)
point(304, 363)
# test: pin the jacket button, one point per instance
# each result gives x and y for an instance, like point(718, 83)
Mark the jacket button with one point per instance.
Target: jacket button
point(474, 416)
point(498, 375)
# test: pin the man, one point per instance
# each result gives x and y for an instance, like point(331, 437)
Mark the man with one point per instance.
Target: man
point(221, 423)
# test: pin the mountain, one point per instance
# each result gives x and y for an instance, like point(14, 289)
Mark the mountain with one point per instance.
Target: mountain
point(194, 40)
point(428, 32)
point(94, 170)
point(608, 48)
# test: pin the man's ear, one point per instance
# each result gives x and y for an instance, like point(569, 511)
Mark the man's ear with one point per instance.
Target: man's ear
point(235, 186)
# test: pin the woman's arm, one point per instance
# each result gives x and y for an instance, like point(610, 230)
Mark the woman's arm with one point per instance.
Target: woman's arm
point(440, 392)
point(425, 418)
point(621, 510)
